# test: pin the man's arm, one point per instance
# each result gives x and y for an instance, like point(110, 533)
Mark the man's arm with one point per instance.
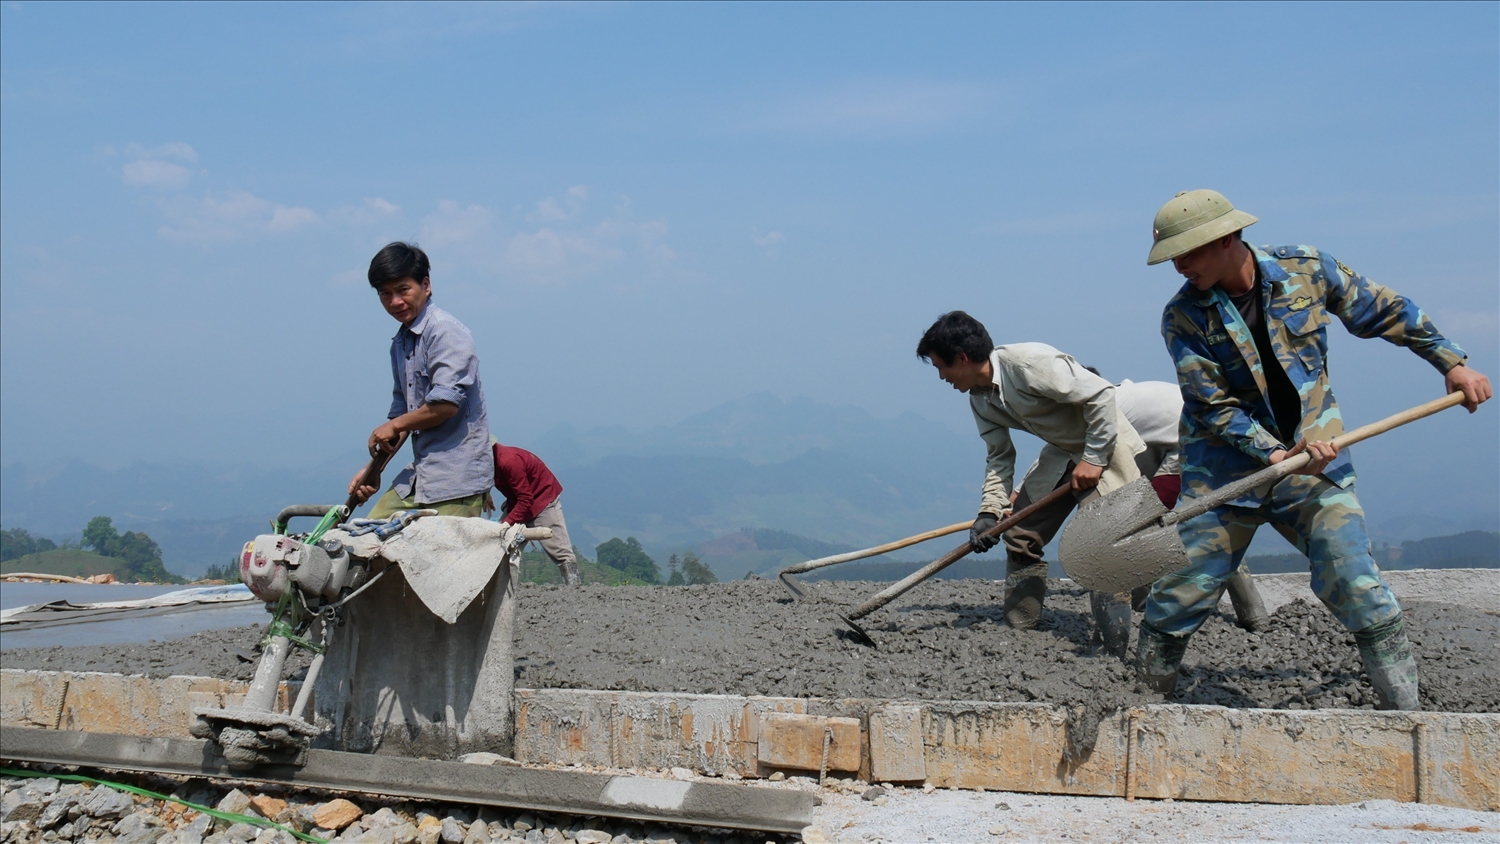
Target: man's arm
point(389, 436)
point(1368, 309)
point(1205, 393)
point(451, 365)
point(999, 466)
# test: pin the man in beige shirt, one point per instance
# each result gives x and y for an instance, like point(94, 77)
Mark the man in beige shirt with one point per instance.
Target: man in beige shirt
point(1089, 446)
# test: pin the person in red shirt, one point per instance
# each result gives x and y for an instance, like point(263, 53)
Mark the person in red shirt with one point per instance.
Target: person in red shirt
point(531, 498)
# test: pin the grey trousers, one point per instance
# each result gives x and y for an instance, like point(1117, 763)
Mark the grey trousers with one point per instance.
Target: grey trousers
point(559, 548)
point(1025, 541)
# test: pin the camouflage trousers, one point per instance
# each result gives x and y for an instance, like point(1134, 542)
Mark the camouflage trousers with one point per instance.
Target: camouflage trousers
point(1325, 522)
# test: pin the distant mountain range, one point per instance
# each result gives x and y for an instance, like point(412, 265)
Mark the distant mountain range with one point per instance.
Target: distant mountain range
point(750, 485)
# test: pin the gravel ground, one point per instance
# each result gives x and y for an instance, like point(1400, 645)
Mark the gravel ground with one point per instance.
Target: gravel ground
point(49, 810)
point(908, 815)
point(945, 641)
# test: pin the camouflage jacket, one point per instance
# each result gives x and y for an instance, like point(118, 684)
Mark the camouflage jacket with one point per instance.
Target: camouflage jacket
point(1227, 422)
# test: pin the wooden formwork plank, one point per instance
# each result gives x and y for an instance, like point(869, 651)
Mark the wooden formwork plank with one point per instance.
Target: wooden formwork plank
point(896, 748)
point(562, 726)
point(1459, 760)
point(714, 734)
point(1019, 747)
point(115, 703)
point(809, 742)
point(1272, 756)
point(1183, 752)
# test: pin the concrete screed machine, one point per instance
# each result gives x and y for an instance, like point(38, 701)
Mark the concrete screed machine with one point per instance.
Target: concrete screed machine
point(307, 580)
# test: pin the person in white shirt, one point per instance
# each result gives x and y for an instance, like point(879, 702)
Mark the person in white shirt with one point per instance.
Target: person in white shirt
point(1154, 408)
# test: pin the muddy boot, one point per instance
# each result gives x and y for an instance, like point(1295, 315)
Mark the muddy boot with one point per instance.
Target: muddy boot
point(1248, 607)
point(1138, 597)
point(1157, 657)
point(1388, 660)
point(569, 570)
point(1026, 588)
point(1112, 617)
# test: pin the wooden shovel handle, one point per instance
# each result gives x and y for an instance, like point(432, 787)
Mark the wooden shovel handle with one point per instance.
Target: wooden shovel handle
point(372, 471)
point(845, 557)
point(890, 593)
point(1275, 473)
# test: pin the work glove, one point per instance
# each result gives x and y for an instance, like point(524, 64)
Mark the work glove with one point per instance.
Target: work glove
point(511, 536)
point(978, 542)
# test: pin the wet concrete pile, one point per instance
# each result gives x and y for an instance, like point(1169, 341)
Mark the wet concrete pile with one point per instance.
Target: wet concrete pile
point(943, 641)
point(947, 641)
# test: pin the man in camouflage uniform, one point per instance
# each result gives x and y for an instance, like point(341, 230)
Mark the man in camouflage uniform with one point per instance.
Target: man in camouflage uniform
point(1248, 332)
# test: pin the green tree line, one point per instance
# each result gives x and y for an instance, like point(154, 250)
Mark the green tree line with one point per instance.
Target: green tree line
point(139, 552)
point(18, 542)
point(628, 557)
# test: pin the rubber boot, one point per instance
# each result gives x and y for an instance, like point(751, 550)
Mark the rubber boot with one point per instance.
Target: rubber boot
point(1249, 609)
point(1138, 597)
point(1112, 617)
point(1027, 588)
point(570, 573)
point(1157, 658)
point(1386, 653)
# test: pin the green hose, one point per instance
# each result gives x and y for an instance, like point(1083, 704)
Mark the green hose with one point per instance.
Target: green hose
point(231, 817)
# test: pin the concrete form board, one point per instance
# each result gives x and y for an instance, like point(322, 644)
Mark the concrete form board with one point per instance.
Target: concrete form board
point(116, 703)
point(808, 742)
point(896, 748)
point(1183, 752)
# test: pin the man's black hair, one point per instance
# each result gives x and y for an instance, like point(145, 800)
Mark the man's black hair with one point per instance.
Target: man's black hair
point(397, 261)
point(955, 332)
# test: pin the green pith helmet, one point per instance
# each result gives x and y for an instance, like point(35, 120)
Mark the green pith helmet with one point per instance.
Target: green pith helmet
point(1191, 219)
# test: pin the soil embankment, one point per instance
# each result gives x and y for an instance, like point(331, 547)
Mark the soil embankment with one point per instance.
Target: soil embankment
point(943, 641)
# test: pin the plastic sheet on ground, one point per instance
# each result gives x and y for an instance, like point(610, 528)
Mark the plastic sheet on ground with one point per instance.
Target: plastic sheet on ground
point(65, 612)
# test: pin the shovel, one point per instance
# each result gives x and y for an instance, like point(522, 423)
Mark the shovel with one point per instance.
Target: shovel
point(1127, 538)
point(896, 590)
point(794, 586)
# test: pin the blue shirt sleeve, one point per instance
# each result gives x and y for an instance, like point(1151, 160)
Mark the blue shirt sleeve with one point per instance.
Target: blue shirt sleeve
point(451, 364)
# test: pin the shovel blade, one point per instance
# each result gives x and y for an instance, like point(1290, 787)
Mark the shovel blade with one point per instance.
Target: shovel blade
point(1117, 542)
point(792, 584)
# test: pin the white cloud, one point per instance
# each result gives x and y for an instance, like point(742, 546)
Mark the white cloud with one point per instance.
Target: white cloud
point(162, 175)
point(372, 211)
point(766, 239)
point(569, 207)
point(870, 107)
point(453, 224)
point(559, 239)
point(229, 216)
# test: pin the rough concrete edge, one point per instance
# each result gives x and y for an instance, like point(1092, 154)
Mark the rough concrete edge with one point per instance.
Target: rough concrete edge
point(1459, 764)
point(1453, 758)
point(98, 701)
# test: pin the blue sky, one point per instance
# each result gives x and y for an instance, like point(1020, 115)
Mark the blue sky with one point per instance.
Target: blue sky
point(643, 210)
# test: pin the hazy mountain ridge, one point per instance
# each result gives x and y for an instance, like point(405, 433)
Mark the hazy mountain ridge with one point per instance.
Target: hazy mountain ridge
point(839, 474)
point(837, 477)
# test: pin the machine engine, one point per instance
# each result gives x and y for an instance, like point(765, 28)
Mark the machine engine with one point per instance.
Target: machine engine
point(271, 562)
